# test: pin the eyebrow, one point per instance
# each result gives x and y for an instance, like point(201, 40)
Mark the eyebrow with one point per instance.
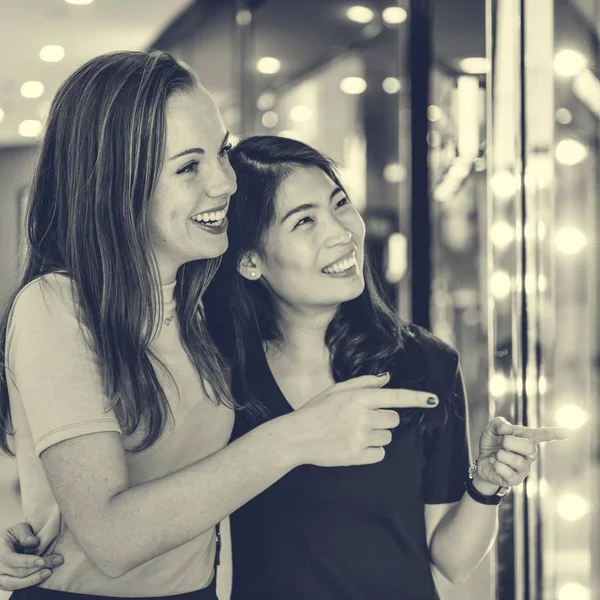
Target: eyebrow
point(307, 206)
point(199, 150)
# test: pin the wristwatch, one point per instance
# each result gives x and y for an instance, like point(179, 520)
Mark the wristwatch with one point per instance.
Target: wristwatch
point(492, 500)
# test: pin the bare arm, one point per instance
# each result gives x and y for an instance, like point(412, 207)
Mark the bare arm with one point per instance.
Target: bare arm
point(467, 530)
point(461, 534)
point(121, 527)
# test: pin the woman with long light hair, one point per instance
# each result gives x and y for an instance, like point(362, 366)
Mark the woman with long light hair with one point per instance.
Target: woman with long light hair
point(113, 396)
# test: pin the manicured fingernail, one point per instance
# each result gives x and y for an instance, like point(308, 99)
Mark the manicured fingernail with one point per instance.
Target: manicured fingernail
point(30, 539)
point(46, 573)
point(492, 460)
point(432, 401)
point(40, 562)
point(57, 561)
point(385, 374)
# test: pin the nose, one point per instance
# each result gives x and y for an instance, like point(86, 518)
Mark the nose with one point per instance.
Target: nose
point(220, 180)
point(337, 234)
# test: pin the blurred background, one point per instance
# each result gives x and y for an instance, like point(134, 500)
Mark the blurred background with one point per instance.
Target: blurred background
point(468, 135)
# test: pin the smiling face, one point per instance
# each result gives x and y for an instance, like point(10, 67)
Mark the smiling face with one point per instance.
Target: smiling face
point(188, 207)
point(313, 253)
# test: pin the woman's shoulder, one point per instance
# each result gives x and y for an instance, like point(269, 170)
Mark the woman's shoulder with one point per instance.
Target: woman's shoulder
point(428, 357)
point(44, 296)
point(436, 350)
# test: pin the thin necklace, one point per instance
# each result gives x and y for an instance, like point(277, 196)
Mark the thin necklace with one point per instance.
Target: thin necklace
point(168, 320)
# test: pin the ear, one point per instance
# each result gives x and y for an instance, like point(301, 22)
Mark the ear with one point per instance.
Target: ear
point(248, 267)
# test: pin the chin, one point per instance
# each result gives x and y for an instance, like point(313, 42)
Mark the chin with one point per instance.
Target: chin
point(214, 250)
point(353, 291)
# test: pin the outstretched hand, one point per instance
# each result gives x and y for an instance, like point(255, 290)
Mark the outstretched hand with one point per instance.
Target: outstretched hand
point(507, 452)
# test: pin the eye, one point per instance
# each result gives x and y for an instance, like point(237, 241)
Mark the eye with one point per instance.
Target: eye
point(342, 202)
point(191, 167)
point(304, 221)
point(224, 151)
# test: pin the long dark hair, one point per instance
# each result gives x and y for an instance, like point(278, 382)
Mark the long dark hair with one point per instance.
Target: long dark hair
point(100, 158)
point(365, 336)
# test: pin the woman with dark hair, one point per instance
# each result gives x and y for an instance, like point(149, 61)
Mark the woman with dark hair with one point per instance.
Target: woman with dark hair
point(295, 307)
point(113, 395)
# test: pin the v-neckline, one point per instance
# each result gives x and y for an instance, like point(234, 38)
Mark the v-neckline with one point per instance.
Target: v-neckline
point(282, 404)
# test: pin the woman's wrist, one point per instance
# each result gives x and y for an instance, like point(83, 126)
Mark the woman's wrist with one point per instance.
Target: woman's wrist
point(285, 443)
point(484, 487)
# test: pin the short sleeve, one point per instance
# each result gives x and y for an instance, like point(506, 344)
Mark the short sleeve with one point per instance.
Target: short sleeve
point(448, 453)
point(54, 371)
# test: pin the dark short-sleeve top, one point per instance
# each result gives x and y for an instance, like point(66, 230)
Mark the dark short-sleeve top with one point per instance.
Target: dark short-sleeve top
point(355, 533)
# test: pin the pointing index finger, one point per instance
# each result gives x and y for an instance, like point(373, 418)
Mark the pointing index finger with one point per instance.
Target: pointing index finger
point(543, 434)
point(401, 398)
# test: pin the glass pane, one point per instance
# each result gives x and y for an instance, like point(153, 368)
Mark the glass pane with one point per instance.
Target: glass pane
point(571, 471)
point(458, 172)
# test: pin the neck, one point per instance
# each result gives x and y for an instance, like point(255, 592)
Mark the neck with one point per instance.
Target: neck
point(303, 334)
point(167, 271)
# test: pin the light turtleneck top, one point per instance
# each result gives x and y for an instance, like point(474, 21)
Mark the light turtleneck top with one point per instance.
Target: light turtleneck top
point(56, 393)
point(169, 306)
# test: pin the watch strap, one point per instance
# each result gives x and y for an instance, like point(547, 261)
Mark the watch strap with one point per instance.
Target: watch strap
point(492, 500)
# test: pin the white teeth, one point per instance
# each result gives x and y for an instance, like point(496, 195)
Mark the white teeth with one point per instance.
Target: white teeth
point(342, 265)
point(207, 217)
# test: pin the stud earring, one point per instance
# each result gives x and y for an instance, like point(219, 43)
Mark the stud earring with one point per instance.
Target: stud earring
point(252, 274)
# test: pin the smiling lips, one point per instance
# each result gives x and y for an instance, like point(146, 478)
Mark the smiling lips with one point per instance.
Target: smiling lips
point(213, 221)
point(341, 265)
point(213, 217)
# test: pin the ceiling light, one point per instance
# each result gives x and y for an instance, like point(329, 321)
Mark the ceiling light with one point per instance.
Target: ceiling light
point(568, 63)
point(502, 234)
point(52, 53)
point(1, 115)
point(30, 128)
point(397, 257)
point(498, 385)
point(563, 116)
point(266, 101)
point(391, 85)
point(475, 65)
point(572, 416)
point(394, 173)
point(504, 185)
point(360, 14)
point(434, 113)
point(243, 17)
point(82, 2)
point(268, 65)
point(542, 287)
point(572, 507)
point(353, 85)
point(300, 113)
point(394, 15)
point(574, 591)
point(270, 119)
point(32, 89)
point(570, 152)
point(434, 139)
point(500, 284)
point(570, 240)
